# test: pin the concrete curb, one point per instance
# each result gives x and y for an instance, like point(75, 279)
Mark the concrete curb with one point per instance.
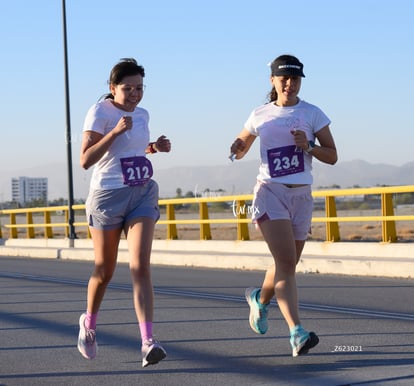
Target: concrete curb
point(344, 258)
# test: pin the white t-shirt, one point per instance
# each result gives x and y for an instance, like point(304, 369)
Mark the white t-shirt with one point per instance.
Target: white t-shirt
point(102, 118)
point(273, 124)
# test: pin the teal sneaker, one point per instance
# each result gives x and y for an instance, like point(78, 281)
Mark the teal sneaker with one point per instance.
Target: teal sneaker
point(302, 341)
point(258, 311)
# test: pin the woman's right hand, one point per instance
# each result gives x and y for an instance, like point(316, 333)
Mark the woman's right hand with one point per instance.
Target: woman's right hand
point(238, 146)
point(241, 145)
point(123, 125)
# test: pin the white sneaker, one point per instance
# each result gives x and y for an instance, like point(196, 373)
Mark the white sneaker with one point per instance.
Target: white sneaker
point(152, 352)
point(87, 344)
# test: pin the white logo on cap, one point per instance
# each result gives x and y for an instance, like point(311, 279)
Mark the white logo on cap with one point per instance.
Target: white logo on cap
point(289, 66)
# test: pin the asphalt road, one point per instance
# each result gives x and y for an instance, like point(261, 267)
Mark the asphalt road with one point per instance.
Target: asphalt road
point(365, 325)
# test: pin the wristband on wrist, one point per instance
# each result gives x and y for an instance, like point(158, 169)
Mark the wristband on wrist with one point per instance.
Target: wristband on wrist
point(311, 146)
point(151, 148)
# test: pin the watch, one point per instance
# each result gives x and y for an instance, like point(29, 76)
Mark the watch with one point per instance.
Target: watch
point(311, 146)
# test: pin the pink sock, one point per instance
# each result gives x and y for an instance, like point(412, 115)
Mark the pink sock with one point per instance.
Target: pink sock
point(146, 330)
point(90, 320)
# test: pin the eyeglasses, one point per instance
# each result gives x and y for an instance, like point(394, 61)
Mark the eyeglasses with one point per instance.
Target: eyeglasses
point(131, 89)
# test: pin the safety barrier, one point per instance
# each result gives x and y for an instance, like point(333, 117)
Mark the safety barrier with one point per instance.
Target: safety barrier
point(240, 214)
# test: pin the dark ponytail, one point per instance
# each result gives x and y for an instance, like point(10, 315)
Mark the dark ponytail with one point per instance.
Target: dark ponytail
point(272, 96)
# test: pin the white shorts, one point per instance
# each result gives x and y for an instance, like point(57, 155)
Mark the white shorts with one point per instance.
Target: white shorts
point(275, 201)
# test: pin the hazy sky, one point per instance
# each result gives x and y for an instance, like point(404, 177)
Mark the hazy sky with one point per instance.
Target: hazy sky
point(206, 65)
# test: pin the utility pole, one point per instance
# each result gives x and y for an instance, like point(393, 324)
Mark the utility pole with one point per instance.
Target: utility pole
point(71, 217)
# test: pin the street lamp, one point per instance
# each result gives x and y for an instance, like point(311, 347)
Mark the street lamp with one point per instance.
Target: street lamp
point(71, 217)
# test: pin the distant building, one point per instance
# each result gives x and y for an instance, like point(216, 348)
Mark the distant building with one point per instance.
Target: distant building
point(28, 189)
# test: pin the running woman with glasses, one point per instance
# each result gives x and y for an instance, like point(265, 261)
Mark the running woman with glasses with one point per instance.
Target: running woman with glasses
point(122, 198)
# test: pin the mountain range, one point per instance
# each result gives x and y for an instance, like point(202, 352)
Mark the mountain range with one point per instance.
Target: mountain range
point(232, 178)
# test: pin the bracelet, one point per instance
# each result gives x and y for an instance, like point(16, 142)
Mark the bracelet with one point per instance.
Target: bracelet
point(151, 148)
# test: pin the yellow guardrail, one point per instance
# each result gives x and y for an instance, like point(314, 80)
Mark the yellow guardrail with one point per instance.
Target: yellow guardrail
point(240, 214)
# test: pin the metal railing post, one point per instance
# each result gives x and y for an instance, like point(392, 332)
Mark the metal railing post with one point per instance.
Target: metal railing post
point(205, 231)
point(242, 227)
point(171, 228)
point(48, 231)
point(389, 233)
point(332, 228)
point(13, 231)
point(30, 233)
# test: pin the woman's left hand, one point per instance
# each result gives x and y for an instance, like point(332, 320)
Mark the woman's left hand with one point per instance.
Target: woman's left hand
point(299, 136)
point(163, 144)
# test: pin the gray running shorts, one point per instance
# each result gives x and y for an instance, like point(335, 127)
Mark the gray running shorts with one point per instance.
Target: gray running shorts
point(113, 208)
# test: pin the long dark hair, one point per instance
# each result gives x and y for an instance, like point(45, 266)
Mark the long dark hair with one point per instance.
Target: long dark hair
point(125, 67)
point(272, 95)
